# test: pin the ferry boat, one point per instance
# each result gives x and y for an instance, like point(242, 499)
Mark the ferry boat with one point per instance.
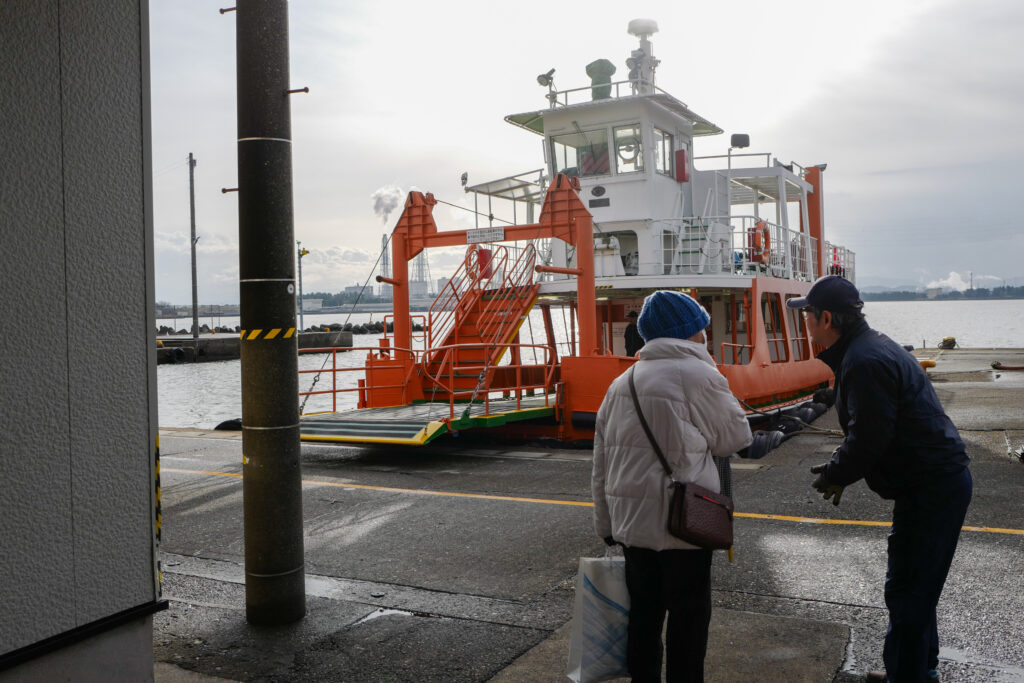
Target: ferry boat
point(527, 335)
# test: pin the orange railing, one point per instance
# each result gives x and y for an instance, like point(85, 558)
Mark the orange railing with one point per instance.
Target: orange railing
point(496, 327)
point(740, 353)
point(519, 378)
point(474, 275)
point(448, 369)
point(469, 277)
point(334, 371)
point(421, 337)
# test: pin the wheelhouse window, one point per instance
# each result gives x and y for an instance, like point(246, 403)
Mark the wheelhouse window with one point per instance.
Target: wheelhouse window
point(663, 148)
point(737, 345)
point(584, 153)
point(775, 331)
point(798, 330)
point(629, 153)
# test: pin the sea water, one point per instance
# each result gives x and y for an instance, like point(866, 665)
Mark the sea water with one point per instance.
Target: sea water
point(201, 395)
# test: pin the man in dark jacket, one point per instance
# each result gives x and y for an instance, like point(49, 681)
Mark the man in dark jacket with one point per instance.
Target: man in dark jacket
point(634, 342)
point(900, 441)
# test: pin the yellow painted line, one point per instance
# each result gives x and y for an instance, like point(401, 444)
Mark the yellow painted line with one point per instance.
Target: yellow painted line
point(289, 333)
point(242, 335)
point(813, 520)
point(273, 333)
point(392, 489)
point(236, 475)
point(253, 335)
point(582, 503)
point(994, 530)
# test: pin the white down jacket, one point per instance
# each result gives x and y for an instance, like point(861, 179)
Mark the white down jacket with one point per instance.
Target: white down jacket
point(693, 415)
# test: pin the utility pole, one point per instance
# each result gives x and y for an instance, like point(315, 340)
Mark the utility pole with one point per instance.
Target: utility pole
point(275, 581)
point(192, 216)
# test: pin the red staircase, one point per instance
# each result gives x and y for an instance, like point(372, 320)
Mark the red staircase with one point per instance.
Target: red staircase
point(475, 318)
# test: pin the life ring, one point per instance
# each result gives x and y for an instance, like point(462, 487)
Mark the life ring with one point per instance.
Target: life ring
point(628, 149)
point(760, 243)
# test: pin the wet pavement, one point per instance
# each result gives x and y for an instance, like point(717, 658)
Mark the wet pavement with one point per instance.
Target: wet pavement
point(456, 562)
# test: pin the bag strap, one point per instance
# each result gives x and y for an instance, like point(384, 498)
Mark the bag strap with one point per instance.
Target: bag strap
point(647, 429)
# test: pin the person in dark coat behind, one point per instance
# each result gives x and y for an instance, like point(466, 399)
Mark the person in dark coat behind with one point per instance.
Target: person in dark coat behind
point(900, 441)
point(634, 342)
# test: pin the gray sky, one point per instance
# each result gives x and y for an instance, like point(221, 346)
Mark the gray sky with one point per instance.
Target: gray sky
point(916, 106)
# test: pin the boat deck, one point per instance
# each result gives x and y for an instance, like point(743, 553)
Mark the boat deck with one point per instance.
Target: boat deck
point(419, 423)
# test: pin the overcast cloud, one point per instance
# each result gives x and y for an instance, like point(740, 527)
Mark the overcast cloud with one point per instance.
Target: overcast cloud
point(915, 106)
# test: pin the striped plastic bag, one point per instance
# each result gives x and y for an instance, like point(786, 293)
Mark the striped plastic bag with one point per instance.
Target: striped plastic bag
point(597, 645)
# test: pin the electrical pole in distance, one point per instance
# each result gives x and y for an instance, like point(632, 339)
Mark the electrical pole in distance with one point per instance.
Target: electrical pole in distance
point(275, 589)
point(195, 289)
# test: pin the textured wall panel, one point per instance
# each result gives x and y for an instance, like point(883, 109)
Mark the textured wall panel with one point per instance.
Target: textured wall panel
point(102, 93)
point(36, 561)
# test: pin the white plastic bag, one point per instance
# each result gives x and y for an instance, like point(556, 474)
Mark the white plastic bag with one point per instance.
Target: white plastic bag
point(597, 645)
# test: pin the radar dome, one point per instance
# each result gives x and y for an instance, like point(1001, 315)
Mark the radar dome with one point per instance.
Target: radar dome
point(643, 27)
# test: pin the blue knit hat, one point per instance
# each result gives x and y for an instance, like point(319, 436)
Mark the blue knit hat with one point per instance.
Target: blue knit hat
point(671, 314)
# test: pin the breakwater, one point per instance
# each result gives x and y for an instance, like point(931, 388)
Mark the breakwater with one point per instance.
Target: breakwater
point(227, 345)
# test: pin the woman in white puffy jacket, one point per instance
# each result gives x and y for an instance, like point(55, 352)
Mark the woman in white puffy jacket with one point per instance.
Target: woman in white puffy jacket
point(693, 416)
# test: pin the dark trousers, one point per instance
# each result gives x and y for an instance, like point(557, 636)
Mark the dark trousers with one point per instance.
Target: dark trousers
point(925, 530)
point(677, 582)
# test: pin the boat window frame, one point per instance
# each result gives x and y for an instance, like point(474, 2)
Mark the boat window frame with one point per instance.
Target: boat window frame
point(577, 170)
point(774, 323)
point(799, 340)
point(664, 155)
point(623, 155)
point(738, 345)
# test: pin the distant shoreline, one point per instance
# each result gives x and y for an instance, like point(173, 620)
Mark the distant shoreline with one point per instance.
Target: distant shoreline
point(228, 311)
point(900, 296)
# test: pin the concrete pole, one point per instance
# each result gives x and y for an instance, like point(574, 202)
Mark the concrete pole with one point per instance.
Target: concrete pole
point(194, 239)
point(271, 484)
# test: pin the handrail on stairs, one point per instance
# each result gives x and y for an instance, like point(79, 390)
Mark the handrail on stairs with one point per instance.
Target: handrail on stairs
point(448, 368)
point(497, 327)
point(469, 278)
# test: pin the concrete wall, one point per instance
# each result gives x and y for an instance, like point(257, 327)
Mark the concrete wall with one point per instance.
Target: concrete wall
point(76, 268)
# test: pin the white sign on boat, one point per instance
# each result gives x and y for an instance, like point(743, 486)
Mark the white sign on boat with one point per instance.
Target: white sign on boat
point(485, 235)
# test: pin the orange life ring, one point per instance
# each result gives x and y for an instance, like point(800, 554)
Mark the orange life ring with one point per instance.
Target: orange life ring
point(760, 243)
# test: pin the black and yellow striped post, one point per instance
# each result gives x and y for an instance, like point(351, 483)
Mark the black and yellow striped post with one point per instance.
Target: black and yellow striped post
point(275, 590)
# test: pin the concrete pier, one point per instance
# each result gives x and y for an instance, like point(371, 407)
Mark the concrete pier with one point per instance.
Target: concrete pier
point(227, 346)
point(457, 562)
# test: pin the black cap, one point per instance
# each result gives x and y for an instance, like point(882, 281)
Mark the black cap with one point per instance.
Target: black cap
point(632, 314)
point(830, 293)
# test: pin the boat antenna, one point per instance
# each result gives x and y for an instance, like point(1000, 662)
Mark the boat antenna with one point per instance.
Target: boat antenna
point(641, 61)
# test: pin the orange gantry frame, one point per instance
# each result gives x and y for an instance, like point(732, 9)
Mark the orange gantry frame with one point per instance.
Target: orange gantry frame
point(562, 216)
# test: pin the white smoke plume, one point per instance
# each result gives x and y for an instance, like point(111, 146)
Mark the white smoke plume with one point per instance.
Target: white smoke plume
point(962, 281)
point(385, 200)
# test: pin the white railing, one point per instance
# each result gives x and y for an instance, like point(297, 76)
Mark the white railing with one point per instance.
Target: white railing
point(743, 245)
point(840, 261)
point(733, 158)
point(564, 98)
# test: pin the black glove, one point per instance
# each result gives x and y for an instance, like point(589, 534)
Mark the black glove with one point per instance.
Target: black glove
point(608, 540)
point(824, 487)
